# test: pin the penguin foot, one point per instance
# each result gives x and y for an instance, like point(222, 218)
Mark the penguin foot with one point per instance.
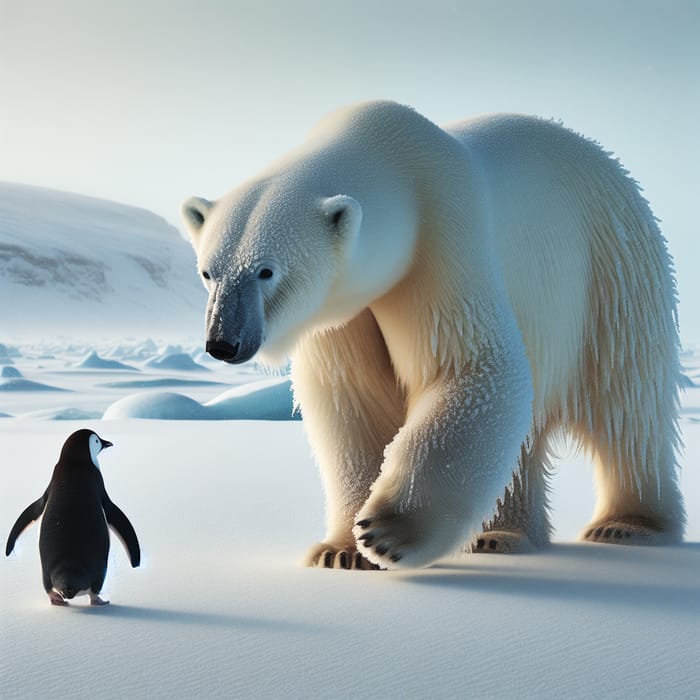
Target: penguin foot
point(57, 598)
point(96, 600)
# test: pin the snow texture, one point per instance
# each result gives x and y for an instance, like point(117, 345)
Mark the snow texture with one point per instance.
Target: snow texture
point(221, 608)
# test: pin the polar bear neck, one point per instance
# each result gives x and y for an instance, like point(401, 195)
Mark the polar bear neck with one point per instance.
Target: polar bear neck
point(449, 290)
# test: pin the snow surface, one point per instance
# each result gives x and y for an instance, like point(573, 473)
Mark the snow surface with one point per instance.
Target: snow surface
point(220, 606)
point(225, 509)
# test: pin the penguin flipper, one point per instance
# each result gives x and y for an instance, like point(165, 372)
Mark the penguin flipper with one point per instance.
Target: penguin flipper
point(31, 513)
point(121, 525)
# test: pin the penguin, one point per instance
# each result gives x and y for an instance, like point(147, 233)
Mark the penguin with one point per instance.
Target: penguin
point(74, 538)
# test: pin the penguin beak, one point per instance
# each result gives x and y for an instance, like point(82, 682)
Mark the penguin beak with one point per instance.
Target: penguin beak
point(106, 443)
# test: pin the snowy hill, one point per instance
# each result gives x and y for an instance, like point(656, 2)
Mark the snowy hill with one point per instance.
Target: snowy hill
point(71, 264)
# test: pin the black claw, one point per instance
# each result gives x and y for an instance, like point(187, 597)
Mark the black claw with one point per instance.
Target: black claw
point(381, 549)
point(607, 532)
point(364, 523)
point(599, 532)
point(618, 534)
point(328, 560)
point(395, 557)
point(366, 538)
point(493, 544)
point(344, 563)
point(480, 544)
point(358, 560)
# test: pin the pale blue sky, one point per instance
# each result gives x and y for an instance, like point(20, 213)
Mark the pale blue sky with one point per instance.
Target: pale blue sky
point(149, 101)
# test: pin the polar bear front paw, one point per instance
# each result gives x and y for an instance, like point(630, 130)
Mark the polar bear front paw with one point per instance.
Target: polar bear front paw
point(393, 538)
point(325, 555)
point(380, 541)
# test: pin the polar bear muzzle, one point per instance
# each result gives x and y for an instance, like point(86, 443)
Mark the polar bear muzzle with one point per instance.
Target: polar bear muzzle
point(235, 319)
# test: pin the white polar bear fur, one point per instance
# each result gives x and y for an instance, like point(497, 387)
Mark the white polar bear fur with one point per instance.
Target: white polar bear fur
point(450, 298)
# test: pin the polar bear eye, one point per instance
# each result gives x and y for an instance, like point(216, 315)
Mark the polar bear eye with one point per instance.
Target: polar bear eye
point(265, 274)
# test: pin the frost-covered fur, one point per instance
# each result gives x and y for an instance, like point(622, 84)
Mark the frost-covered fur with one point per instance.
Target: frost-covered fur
point(450, 299)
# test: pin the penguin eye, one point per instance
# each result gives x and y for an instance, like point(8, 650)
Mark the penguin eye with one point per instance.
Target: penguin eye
point(265, 274)
point(206, 275)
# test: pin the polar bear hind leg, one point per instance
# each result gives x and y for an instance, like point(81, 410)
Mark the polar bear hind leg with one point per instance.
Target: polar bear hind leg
point(629, 422)
point(625, 408)
point(521, 523)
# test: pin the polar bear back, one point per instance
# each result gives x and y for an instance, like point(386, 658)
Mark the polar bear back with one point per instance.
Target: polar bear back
point(551, 195)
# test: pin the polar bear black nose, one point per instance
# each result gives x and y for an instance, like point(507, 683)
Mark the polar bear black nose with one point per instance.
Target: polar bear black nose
point(221, 350)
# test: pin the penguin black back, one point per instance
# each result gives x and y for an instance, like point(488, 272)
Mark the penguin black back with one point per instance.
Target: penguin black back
point(74, 538)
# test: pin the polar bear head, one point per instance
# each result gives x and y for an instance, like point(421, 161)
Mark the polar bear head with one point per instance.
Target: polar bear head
point(273, 260)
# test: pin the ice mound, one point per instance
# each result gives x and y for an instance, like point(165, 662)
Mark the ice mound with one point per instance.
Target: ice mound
point(178, 361)
point(21, 384)
point(94, 361)
point(270, 399)
point(138, 352)
point(9, 372)
point(7, 355)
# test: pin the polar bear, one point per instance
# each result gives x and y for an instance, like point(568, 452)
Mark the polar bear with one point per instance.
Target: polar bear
point(451, 300)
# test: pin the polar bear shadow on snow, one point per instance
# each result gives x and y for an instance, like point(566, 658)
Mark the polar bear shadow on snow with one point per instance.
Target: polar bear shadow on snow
point(452, 299)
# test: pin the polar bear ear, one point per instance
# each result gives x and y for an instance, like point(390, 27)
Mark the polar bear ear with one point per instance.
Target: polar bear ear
point(344, 216)
point(194, 212)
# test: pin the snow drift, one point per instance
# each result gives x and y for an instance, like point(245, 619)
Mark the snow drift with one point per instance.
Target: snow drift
point(264, 400)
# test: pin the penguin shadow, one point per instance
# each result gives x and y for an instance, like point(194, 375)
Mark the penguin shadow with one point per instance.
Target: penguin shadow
point(194, 618)
point(678, 595)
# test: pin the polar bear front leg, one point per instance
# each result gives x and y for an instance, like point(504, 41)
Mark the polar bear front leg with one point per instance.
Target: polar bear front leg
point(352, 407)
point(449, 462)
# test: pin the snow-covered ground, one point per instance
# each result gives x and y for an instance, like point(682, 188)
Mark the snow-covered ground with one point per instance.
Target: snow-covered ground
point(224, 510)
point(221, 608)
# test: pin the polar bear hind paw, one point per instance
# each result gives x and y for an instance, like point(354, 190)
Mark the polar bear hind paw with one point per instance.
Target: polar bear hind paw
point(502, 542)
point(630, 531)
point(328, 556)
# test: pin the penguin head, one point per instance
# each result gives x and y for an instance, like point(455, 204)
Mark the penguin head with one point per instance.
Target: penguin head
point(84, 443)
point(97, 444)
